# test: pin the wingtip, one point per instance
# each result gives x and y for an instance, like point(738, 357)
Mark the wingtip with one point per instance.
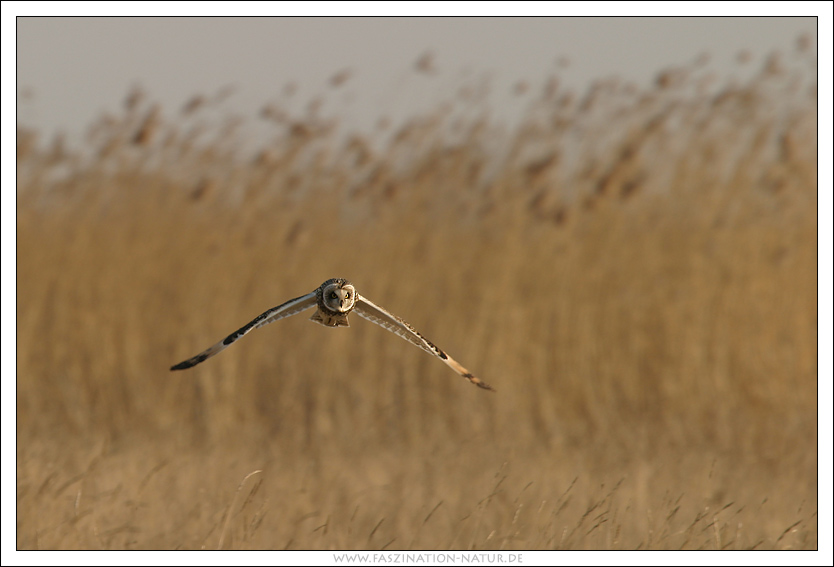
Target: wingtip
point(478, 382)
point(192, 361)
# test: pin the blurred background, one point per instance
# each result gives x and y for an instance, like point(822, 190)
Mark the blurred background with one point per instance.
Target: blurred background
point(611, 221)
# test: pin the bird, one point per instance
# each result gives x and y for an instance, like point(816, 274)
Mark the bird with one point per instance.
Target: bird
point(334, 300)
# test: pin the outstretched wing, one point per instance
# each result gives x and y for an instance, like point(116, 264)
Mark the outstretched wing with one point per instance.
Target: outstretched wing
point(376, 314)
point(291, 307)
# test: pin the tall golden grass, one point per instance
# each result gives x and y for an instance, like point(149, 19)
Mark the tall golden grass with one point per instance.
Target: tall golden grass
point(633, 270)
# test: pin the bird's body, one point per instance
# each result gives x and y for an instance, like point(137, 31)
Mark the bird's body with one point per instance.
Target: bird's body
point(334, 300)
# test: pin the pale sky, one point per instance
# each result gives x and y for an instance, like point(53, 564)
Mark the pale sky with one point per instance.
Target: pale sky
point(71, 70)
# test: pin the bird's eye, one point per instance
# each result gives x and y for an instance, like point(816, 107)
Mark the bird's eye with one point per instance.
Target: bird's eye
point(333, 295)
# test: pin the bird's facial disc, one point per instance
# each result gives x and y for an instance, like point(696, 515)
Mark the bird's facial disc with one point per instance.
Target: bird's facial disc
point(339, 298)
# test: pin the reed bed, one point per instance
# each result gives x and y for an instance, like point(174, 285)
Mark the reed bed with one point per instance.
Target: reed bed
point(634, 271)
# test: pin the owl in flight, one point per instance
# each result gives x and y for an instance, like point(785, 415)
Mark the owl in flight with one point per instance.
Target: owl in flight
point(335, 299)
